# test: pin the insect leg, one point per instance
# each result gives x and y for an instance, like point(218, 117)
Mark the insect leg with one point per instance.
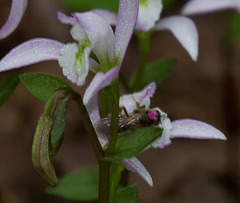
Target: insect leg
point(138, 103)
point(124, 109)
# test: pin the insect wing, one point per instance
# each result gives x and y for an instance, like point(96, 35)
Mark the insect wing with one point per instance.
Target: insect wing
point(103, 125)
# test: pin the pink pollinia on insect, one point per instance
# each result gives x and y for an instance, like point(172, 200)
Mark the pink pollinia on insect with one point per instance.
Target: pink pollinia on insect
point(151, 114)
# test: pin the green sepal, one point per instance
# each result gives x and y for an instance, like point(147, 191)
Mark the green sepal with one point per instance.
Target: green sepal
point(131, 143)
point(58, 127)
point(81, 185)
point(40, 151)
point(43, 85)
point(7, 86)
point(127, 194)
point(156, 71)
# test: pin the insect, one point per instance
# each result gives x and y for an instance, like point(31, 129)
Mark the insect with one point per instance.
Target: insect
point(139, 118)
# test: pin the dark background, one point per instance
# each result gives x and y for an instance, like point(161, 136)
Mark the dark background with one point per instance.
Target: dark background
point(186, 171)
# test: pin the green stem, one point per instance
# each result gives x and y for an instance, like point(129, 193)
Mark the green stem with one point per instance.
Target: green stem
point(89, 127)
point(114, 103)
point(144, 47)
point(105, 193)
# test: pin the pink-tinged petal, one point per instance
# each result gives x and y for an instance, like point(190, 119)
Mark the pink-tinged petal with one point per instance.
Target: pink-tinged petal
point(100, 34)
point(109, 16)
point(30, 52)
point(66, 19)
point(205, 6)
point(149, 13)
point(184, 30)
point(134, 165)
point(188, 128)
point(17, 10)
point(127, 18)
point(143, 97)
point(100, 81)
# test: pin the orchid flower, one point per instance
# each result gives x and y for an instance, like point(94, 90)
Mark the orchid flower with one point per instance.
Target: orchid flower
point(92, 33)
point(185, 128)
point(17, 10)
point(194, 7)
point(182, 28)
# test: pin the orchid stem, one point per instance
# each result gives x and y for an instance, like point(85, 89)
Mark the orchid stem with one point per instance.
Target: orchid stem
point(105, 193)
point(144, 47)
point(114, 102)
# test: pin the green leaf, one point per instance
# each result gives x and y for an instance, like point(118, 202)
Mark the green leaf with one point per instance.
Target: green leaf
point(127, 194)
point(8, 86)
point(131, 143)
point(43, 85)
point(234, 27)
point(156, 71)
point(111, 5)
point(81, 185)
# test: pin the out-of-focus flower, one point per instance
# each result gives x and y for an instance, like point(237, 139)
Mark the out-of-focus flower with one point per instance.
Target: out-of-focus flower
point(185, 128)
point(182, 28)
point(92, 33)
point(194, 7)
point(17, 10)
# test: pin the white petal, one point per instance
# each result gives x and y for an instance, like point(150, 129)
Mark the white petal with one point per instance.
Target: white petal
point(30, 52)
point(143, 97)
point(100, 34)
point(188, 128)
point(17, 10)
point(149, 13)
point(184, 30)
point(166, 125)
point(134, 165)
point(204, 6)
point(126, 21)
point(78, 33)
point(74, 69)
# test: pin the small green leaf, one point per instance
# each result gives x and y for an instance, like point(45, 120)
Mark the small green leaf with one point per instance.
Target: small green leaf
point(111, 5)
point(127, 194)
point(156, 71)
point(43, 85)
point(7, 86)
point(131, 143)
point(81, 185)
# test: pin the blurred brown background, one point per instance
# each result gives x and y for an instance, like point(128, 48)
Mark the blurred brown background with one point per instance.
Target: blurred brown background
point(186, 171)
